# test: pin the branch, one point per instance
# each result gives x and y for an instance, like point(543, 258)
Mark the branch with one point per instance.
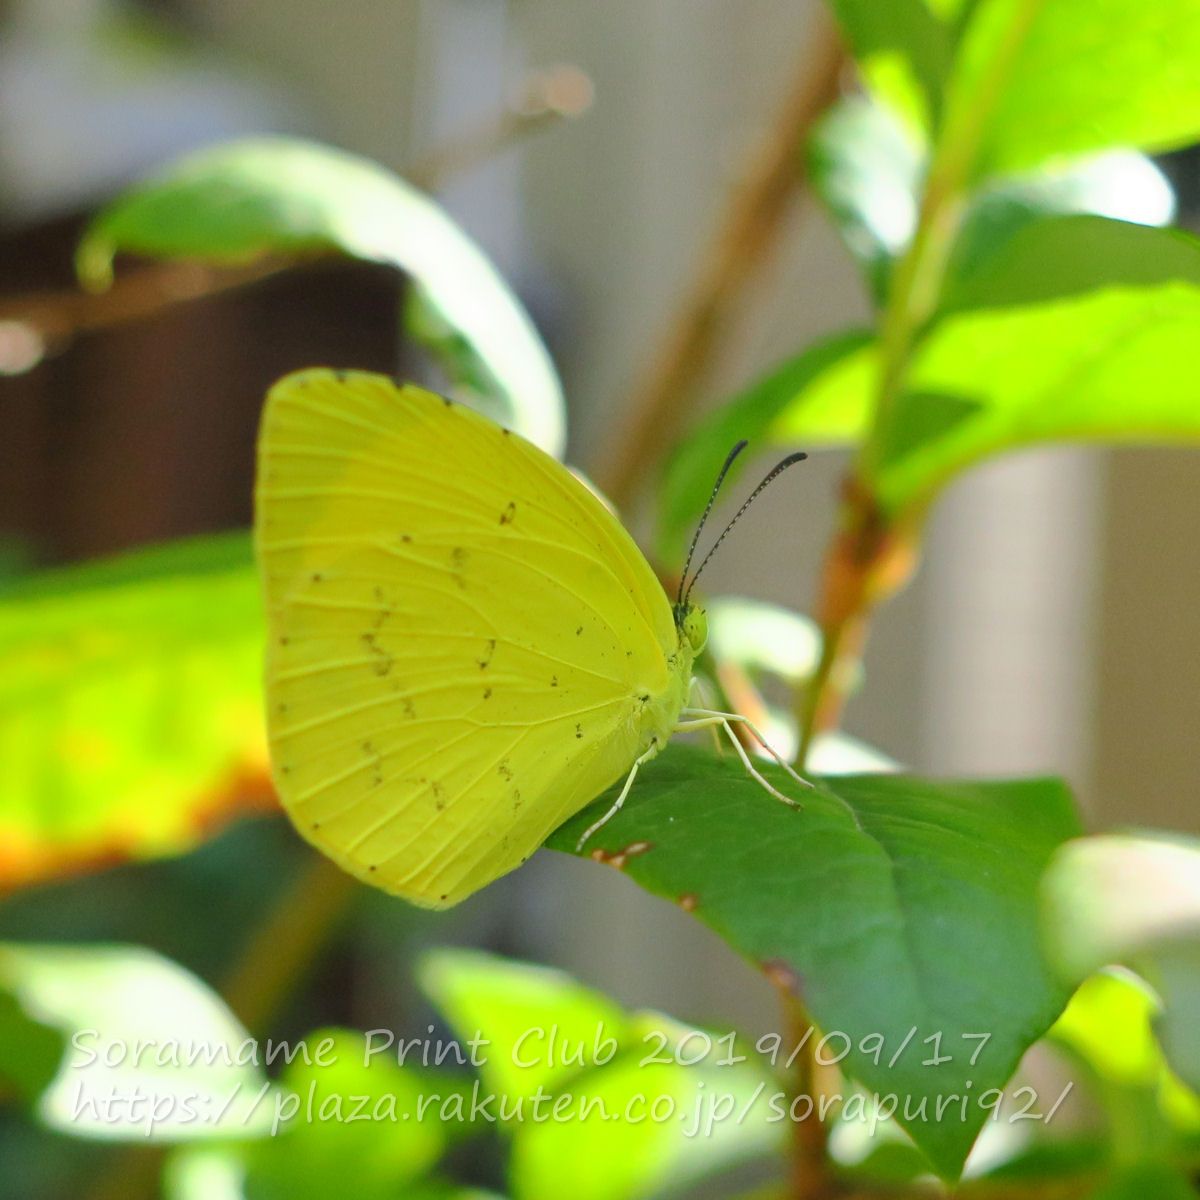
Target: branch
point(747, 234)
point(44, 323)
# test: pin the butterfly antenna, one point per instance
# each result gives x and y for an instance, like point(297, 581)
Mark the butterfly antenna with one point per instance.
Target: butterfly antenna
point(771, 476)
point(704, 516)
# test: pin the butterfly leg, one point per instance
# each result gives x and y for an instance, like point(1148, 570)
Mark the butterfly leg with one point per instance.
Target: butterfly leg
point(720, 719)
point(689, 713)
point(596, 826)
point(718, 745)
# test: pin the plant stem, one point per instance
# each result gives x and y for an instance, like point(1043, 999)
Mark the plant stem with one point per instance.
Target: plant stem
point(284, 946)
point(748, 232)
point(809, 1175)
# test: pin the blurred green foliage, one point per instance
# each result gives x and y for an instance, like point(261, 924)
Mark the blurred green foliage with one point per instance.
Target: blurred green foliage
point(992, 184)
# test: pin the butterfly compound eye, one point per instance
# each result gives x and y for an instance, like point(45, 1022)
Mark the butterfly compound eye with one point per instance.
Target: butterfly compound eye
point(695, 629)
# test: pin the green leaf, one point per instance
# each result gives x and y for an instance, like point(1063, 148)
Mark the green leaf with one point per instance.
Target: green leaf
point(1076, 329)
point(1160, 1180)
point(1081, 329)
point(1108, 1028)
point(824, 393)
point(350, 1114)
point(904, 50)
point(903, 910)
point(510, 1003)
point(246, 199)
point(1119, 184)
point(1133, 900)
point(551, 1045)
point(868, 169)
point(1037, 80)
point(130, 707)
point(133, 1025)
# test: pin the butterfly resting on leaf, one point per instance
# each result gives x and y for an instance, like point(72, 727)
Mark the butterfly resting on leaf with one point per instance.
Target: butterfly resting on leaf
point(465, 647)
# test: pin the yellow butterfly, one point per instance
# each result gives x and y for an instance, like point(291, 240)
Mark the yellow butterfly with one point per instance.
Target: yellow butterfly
point(465, 646)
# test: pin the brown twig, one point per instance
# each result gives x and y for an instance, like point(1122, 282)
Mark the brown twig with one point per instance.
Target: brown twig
point(809, 1167)
point(39, 324)
point(545, 98)
point(748, 232)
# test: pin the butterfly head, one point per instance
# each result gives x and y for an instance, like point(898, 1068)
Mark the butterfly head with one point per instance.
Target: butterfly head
point(692, 623)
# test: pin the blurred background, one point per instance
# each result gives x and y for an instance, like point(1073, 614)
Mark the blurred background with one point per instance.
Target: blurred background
point(1052, 626)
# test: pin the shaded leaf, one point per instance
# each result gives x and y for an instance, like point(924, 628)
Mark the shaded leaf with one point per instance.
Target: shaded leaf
point(904, 49)
point(240, 201)
point(868, 901)
point(1160, 1180)
point(133, 1025)
point(130, 707)
point(1058, 78)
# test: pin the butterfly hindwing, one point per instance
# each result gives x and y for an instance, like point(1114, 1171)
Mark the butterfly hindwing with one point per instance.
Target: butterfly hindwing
point(463, 640)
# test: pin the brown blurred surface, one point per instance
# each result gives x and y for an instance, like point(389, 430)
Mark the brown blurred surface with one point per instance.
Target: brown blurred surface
point(145, 430)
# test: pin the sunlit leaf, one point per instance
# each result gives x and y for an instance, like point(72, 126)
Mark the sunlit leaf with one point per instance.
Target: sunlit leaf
point(130, 707)
point(542, 1024)
point(134, 1024)
point(867, 901)
point(1076, 329)
point(348, 1114)
point(1107, 1035)
point(1057, 78)
point(239, 201)
point(644, 1100)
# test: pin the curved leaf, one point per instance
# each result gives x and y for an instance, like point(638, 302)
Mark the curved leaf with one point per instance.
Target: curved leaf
point(239, 201)
point(134, 1024)
point(872, 902)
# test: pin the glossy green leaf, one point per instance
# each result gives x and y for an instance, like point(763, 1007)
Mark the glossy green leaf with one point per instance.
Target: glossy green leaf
point(1076, 329)
point(904, 50)
point(868, 169)
point(1134, 900)
point(148, 1051)
point(1109, 1029)
point(130, 707)
point(246, 199)
point(868, 902)
point(1036, 80)
point(645, 1101)
point(824, 393)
